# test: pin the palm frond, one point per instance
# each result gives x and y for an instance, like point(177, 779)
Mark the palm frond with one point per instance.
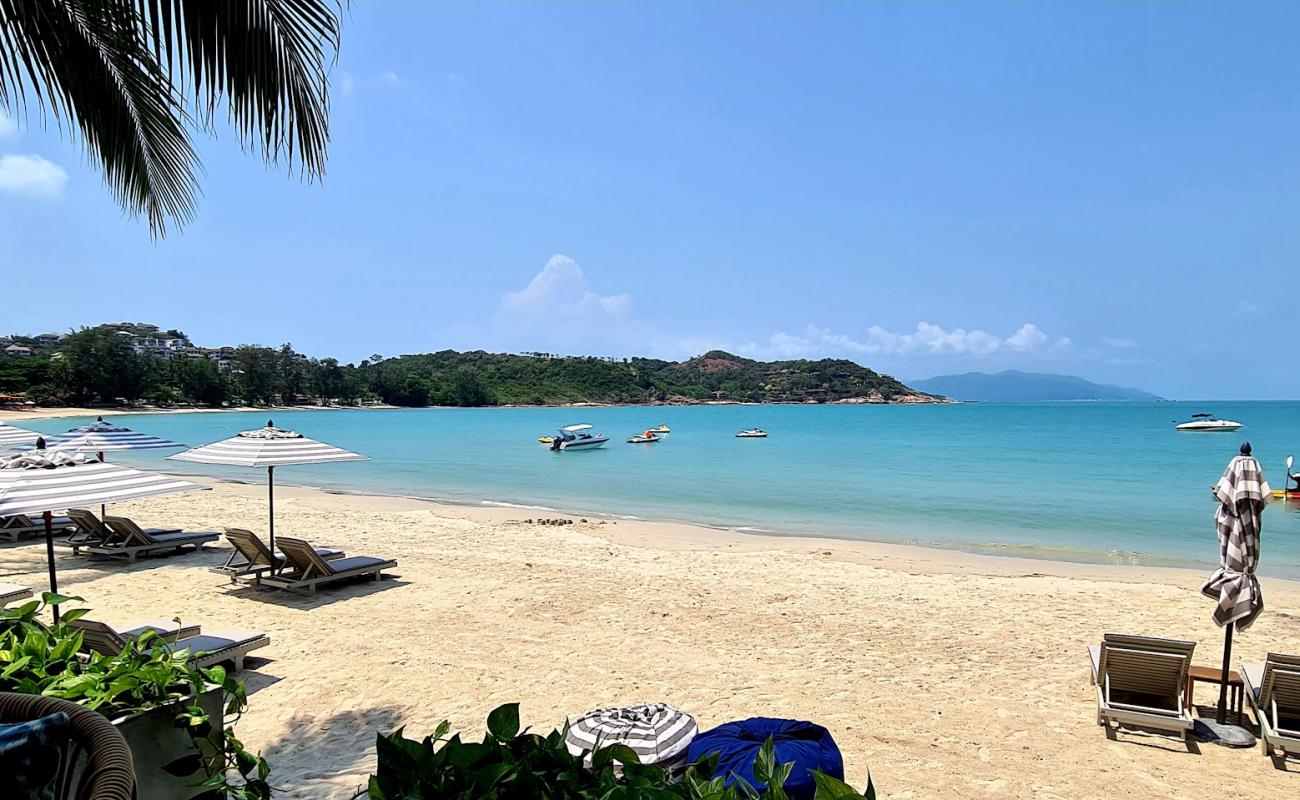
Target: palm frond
point(124, 73)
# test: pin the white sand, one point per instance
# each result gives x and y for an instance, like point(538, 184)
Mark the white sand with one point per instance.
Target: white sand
point(947, 675)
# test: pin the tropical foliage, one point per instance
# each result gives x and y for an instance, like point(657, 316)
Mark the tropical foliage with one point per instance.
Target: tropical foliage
point(43, 659)
point(510, 763)
point(137, 77)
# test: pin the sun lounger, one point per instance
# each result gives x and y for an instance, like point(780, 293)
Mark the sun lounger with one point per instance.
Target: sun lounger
point(18, 525)
point(12, 593)
point(206, 649)
point(89, 531)
point(1140, 681)
point(307, 570)
point(253, 557)
point(1273, 689)
point(135, 541)
point(104, 638)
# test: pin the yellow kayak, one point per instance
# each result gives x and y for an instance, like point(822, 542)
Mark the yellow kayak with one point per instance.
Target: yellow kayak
point(545, 439)
point(1293, 495)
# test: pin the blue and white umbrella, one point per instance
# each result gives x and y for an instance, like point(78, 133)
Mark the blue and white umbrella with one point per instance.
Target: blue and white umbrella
point(103, 437)
point(16, 437)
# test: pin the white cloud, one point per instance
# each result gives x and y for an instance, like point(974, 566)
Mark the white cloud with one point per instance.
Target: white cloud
point(927, 340)
point(31, 176)
point(1245, 308)
point(1119, 343)
point(561, 290)
point(7, 126)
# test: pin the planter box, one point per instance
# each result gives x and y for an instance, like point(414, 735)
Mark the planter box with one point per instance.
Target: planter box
point(155, 741)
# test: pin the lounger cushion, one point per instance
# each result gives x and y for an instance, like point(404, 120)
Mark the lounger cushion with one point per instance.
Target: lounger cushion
point(357, 562)
point(30, 753)
point(162, 627)
point(218, 642)
point(809, 746)
point(186, 536)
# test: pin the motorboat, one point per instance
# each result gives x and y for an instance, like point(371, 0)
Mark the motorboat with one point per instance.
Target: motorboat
point(645, 437)
point(752, 433)
point(1207, 423)
point(662, 429)
point(578, 437)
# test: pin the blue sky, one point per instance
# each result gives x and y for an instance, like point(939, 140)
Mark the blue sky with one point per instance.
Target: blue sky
point(1105, 189)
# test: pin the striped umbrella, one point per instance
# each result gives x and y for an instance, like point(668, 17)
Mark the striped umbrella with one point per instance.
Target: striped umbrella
point(42, 481)
point(101, 437)
point(657, 733)
point(1242, 492)
point(14, 437)
point(268, 447)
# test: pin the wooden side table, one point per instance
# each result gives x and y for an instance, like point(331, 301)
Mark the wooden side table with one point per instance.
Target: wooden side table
point(1215, 675)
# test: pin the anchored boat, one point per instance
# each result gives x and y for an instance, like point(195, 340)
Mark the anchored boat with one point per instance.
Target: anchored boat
point(752, 433)
point(645, 437)
point(1207, 423)
point(578, 437)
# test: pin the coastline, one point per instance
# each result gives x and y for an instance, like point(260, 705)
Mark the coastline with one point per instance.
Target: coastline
point(946, 675)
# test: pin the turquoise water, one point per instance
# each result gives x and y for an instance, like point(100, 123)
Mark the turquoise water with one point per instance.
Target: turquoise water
point(1100, 482)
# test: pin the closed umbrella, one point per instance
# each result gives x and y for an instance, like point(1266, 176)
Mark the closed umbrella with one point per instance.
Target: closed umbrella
point(43, 481)
point(657, 733)
point(1242, 493)
point(15, 437)
point(268, 447)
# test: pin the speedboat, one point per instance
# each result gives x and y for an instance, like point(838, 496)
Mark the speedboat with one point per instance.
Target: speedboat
point(578, 437)
point(662, 429)
point(1207, 423)
point(752, 433)
point(645, 437)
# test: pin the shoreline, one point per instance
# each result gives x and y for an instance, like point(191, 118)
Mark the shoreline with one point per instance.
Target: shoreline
point(676, 535)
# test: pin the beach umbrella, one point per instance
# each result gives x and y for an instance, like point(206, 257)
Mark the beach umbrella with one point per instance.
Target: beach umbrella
point(15, 437)
point(1242, 493)
point(268, 447)
point(100, 437)
point(42, 481)
point(657, 733)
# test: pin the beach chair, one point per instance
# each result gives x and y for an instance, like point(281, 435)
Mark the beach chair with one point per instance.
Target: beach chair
point(136, 541)
point(308, 570)
point(1273, 689)
point(89, 531)
point(102, 637)
point(206, 649)
point(1140, 682)
point(17, 525)
point(253, 557)
point(12, 593)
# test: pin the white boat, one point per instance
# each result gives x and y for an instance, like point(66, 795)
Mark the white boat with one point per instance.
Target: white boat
point(752, 433)
point(578, 437)
point(645, 437)
point(662, 429)
point(1207, 423)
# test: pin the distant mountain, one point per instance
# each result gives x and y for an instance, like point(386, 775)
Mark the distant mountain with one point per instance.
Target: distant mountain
point(1013, 386)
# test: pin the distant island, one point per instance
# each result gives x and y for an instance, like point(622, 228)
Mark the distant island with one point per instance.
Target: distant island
point(1014, 386)
point(129, 363)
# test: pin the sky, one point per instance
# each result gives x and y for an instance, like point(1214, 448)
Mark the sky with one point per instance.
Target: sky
point(1102, 189)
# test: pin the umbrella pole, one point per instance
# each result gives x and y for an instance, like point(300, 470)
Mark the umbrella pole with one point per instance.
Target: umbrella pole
point(103, 509)
point(49, 554)
point(1222, 715)
point(270, 500)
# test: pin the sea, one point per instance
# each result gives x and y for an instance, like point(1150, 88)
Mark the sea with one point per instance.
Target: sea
point(1096, 482)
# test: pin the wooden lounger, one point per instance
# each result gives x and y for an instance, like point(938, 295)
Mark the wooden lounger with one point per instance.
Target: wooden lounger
point(308, 570)
point(1273, 689)
point(12, 593)
point(1140, 682)
point(101, 637)
point(206, 649)
point(89, 531)
point(18, 525)
point(136, 541)
point(253, 557)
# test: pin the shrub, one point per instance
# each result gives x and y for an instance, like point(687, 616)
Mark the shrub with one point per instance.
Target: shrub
point(509, 763)
point(40, 659)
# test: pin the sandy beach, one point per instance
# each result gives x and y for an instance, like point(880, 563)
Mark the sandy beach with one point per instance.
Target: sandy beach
point(947, 675)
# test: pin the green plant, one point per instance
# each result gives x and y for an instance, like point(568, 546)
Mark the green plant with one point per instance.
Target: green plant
point(44, 659)
point(510, 763)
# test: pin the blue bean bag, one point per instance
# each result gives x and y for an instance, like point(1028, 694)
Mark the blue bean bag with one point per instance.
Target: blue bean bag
point(809, 746)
